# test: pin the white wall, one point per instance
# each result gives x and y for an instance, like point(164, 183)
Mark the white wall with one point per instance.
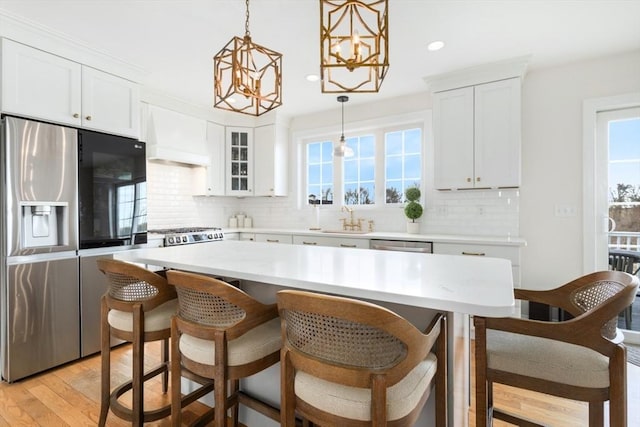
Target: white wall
point(552, 167)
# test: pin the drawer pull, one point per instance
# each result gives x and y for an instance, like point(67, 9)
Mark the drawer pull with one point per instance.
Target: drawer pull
point(474, 253)
point(309, 243)
point(344, 245)
point(273, 240)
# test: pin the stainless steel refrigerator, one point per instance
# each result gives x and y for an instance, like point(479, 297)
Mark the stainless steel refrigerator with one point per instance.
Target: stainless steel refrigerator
point(39, 312)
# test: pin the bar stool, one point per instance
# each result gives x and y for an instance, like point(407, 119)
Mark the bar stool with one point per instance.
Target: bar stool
point(137, 308)
point(350, 363)
point(219, 336)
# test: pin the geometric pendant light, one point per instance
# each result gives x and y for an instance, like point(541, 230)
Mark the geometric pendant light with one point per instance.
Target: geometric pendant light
point(247, 76)
point(354, 45)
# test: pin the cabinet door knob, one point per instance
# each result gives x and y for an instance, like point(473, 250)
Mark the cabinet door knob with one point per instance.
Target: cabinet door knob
point(76, 115)
point(478, 179)
point(468, 179)
point(88, 117)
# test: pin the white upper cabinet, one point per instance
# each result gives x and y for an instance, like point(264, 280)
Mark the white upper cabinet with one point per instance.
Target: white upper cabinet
point(477, 136)
point(453, 137)
point(109, 103)
point(44, 86)
point(245, 161)
point(270, 165)
point(497, 122)
point(40, 85)
point(214, 182)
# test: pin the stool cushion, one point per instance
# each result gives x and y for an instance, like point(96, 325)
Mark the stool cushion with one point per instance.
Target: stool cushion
point(259, 342)
point(355, 403)
point(157, 319)
point(547, 359)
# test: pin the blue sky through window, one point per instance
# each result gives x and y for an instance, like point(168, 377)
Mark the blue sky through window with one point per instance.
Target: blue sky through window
point(403, 163)
point(624, 152)
point(359, 171)
point(320, 172)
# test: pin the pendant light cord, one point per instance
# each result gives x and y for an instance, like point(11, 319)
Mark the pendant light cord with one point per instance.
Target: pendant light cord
point(246, 23)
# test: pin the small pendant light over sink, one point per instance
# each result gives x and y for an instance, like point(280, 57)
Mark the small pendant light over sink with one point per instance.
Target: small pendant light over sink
point(247, 76)
point(342, 149)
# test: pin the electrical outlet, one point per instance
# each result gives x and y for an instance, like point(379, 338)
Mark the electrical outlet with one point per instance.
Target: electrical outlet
point(565, 210)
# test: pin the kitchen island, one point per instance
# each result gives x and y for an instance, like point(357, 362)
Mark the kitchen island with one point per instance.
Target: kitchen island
point(414, 285)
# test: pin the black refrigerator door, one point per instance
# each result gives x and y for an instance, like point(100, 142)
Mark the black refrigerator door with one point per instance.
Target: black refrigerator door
point(112, 190)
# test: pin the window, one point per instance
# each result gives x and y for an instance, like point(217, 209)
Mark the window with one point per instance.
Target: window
point(359, 171)
point(320, 173)
point(403, 163)
point(387, 160)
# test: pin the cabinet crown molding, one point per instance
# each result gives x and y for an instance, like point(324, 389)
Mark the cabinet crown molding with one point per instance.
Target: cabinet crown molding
point(485, 73)
point(38, 36)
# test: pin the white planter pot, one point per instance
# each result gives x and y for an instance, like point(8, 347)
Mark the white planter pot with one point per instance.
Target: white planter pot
point(413, 227)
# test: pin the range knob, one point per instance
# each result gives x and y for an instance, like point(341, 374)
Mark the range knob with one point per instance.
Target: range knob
point(184, 239)
point(170, 240)
point(210, 236)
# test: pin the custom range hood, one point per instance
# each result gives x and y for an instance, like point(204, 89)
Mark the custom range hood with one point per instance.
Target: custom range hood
point(176, 137)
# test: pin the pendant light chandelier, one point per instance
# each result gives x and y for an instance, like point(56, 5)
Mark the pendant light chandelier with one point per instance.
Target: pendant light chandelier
point(354, 45)
point(247, 76)
point(342, 149)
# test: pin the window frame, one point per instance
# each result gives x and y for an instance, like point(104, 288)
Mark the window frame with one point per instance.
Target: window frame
point(377, 128)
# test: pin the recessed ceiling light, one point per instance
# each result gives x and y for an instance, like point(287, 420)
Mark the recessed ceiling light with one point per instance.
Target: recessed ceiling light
point(313, 77)
point(435, 45)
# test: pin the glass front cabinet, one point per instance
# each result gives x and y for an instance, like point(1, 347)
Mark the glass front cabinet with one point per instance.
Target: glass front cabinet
point(239, 161)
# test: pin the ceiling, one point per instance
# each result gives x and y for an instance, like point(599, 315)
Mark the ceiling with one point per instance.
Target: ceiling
point(175, 40)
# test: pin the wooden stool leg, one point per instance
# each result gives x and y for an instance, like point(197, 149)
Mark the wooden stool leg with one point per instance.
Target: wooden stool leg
point(176, 392)
point(596, 414)
point(165, 362)
point(105, 355)
point(138, 367)
point(235, 386)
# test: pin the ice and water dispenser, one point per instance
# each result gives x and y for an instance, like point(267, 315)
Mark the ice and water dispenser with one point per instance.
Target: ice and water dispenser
point(44, 224)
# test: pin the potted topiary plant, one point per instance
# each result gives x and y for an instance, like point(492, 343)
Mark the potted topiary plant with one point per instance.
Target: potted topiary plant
point(413, 210)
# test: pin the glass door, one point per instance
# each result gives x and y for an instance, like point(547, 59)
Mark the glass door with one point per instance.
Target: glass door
point(620, 129)
point(240, 161)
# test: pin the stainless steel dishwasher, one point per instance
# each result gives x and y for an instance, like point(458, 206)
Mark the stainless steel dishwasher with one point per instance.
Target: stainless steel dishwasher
point(402, 246)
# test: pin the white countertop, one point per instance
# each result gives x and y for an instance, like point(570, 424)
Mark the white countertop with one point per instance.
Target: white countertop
point(473, 285)
point(391, 235)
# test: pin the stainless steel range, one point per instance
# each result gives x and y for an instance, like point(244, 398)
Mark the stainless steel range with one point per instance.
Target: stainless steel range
point(190, 235)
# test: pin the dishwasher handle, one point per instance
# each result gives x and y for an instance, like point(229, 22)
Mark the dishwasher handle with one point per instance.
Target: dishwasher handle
point(387, 246)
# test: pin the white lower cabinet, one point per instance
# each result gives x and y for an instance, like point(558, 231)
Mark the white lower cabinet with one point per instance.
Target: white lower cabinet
point(273, 238)
point(339, 242)
point(512, 253)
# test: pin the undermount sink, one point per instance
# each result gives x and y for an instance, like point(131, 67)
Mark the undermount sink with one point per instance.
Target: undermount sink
point(345, 231)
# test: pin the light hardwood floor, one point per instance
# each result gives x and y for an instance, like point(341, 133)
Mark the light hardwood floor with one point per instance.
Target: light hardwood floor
point(70, 396)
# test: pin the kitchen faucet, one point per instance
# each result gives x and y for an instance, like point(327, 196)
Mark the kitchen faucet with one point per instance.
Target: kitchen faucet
point(353, 224)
